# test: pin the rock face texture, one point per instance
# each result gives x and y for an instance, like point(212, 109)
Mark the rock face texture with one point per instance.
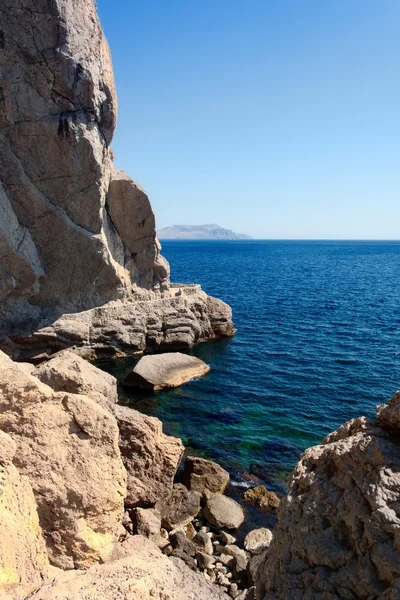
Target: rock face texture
point(168, 370)
point(67, 372)
point(67, 446)
point(75, 233)
point(338, 529)
point(151, 458)
point(177, 320)
point(143, 575)
point(200, 475)
point(23, 557)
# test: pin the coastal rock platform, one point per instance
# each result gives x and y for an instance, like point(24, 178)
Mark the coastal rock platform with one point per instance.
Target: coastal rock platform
point(148, 321)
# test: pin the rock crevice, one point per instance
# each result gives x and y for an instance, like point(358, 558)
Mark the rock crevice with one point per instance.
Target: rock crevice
point(75, 232)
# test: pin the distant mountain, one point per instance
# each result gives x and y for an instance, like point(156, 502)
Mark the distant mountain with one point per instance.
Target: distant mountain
point(199, 232)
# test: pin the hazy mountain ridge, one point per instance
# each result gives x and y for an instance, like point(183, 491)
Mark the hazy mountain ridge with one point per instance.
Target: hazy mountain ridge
point(200, 232)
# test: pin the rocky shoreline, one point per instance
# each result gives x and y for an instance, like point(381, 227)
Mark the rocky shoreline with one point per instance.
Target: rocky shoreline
point(66, 410)
point(89, 506)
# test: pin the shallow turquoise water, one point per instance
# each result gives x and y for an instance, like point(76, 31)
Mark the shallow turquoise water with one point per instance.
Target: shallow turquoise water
point(317, 343)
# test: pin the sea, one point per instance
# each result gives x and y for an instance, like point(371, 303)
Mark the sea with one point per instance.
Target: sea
point(317, 343)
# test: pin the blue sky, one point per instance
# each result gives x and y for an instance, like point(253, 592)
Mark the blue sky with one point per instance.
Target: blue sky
point(276, 118)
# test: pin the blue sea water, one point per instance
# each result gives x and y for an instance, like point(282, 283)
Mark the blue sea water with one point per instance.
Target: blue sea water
point(317, 343)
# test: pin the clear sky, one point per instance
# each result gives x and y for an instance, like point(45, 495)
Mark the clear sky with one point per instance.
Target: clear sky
point(276, 118)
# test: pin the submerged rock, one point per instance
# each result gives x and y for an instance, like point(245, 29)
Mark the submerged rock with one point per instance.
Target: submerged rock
point(261, 496)
point(200, 475)
point(168, 370)
point(223, 512)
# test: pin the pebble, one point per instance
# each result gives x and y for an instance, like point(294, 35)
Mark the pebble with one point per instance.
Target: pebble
point(227, 538)
point(212, 575)
point(205, 529)
point(205, 561)
point(226, 559)
point(233, 590)
point(222, 580)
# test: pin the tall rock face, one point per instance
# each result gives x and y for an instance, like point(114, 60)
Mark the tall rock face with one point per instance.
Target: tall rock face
point(338, 534)
point(75, 233)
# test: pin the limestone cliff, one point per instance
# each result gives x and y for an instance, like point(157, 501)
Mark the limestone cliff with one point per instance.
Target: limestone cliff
point(75, 233)
point(338, 529)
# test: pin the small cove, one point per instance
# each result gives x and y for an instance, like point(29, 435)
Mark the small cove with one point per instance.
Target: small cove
point(317, 343)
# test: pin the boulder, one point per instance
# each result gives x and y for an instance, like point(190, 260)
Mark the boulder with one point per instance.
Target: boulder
point(179, 508)
point(223, 512)
point(200, 475)
point(67, 372)
point(388, 414)
point(227, 538)
point(262, 497)
point(203, 542)
point(205, 561)
point(151, 458)
point(146, 522)
point(76, 233)
point(168, 370)
point(181, 543)
point(23, 557)
point(258, 540)
point(338, 529)
point(67, 446)
point(143, 574)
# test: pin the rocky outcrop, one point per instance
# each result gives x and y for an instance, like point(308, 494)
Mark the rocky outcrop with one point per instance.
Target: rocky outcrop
point(23, 557)
point(67, 372)
point(67, 446)
point(179, 321)
point(75, 233)
point(338, 529)
point(151, 458)
point(169, 370)
point(143, 574)
point(200, 475)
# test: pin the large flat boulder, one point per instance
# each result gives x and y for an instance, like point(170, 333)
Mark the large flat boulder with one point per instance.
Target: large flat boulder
point(151, 458)
point(67, 446)
point(23, 557)
point(144, 574)
point(168, 370)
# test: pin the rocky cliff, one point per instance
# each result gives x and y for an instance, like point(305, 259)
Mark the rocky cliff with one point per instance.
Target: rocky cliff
point(338, 534)
point(75, 233)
